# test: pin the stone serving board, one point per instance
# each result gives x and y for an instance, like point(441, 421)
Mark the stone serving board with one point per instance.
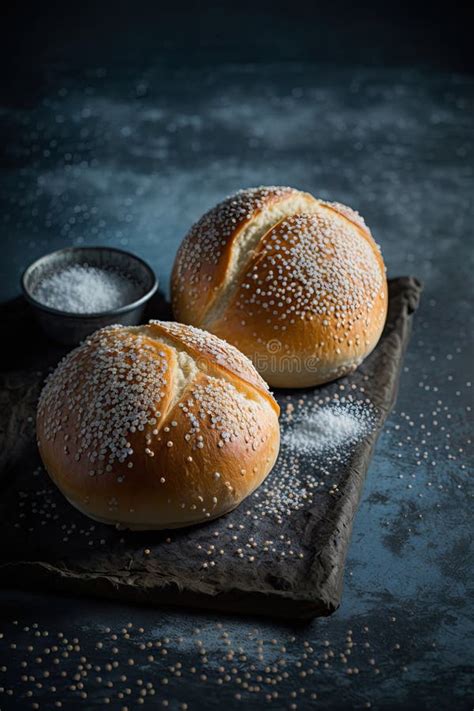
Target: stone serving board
point(281, 553)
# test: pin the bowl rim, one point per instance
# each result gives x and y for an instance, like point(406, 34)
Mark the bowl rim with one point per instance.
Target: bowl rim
point(94, 314)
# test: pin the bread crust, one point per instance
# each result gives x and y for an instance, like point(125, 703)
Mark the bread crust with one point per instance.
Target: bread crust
point(308, 300)
point(204, 256)
point(158, 426)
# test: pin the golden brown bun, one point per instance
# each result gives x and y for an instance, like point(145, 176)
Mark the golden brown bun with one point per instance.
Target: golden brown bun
point(296, 283)
point(156, 426)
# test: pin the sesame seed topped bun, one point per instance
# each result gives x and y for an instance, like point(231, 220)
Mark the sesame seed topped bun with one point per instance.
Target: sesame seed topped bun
point(156, 426)
point(296, 283)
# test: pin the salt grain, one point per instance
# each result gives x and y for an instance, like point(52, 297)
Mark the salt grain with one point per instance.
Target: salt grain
point(331, 427)
point(83, 289)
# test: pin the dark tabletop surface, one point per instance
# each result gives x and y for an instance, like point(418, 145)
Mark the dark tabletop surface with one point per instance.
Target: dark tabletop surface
point(130, 153)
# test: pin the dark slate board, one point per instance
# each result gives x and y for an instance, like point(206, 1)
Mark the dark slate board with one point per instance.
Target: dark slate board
point(45, 542)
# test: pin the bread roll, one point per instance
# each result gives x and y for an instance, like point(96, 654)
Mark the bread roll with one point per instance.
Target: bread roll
point(296, 283)
point(156, 426)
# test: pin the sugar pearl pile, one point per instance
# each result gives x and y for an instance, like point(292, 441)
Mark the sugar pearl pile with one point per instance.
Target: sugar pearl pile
point(325, 431)
point(84, 289)
point(332, 427)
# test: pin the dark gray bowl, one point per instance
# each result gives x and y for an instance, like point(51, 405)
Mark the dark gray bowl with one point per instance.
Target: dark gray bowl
point(72, 328)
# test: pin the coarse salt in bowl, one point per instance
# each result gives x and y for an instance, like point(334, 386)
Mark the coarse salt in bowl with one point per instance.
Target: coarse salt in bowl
point(77, 290)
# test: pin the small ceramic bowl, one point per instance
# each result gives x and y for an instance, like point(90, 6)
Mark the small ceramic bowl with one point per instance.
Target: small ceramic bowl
point(71, 328)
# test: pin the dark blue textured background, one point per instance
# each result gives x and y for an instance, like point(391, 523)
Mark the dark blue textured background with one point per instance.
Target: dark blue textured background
point(122, 131)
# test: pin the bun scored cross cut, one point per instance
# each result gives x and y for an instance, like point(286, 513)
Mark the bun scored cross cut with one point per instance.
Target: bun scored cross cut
point(296, 283)
point(156, 426)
